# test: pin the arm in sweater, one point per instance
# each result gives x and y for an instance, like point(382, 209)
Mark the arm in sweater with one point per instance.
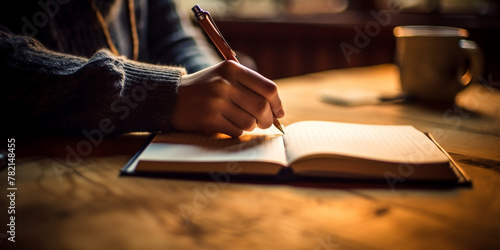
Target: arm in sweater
point(49, 92)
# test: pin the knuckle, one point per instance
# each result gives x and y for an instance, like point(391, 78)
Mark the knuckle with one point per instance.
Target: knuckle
point(219, 88)
point(217, 81)
point(270, 88)
point(266, 123)
point(248, 124)
point(261, 106)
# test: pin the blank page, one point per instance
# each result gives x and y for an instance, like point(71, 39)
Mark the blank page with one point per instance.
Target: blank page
point(390, 143)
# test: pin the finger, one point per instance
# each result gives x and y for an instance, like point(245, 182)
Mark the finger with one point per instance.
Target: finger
point(254, 104)
point(260, 85)
point(263, 87)
point(239, 117)
point(223, 125)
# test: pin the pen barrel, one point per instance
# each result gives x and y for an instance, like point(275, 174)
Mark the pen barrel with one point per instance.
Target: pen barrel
point(216, 38)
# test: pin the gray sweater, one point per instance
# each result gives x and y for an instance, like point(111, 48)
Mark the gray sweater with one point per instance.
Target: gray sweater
point(59, 76)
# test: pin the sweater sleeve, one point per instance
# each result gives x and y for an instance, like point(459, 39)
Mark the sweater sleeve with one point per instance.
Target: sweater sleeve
point(49, 92)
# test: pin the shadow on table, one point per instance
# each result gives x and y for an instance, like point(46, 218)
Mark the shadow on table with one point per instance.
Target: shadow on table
point(302, 182)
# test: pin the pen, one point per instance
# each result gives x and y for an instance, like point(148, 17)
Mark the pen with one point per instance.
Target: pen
point(207, 23)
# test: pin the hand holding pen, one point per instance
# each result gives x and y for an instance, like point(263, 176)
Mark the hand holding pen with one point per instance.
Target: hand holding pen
point(226, 98)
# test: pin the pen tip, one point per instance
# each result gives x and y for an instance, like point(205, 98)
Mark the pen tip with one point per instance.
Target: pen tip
point(278, 125)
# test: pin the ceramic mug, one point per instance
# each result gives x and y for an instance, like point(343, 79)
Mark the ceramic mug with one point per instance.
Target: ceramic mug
point(436, 62)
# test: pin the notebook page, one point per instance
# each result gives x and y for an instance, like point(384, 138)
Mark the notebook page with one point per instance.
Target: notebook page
point(258, 145)
point(392, 143)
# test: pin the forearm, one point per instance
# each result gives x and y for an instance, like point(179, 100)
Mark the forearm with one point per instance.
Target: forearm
point(44, 91)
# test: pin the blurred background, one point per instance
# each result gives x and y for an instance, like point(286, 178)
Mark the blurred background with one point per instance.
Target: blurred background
point(293, 37)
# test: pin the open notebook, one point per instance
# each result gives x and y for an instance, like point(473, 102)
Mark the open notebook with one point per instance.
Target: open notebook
point(317, 149)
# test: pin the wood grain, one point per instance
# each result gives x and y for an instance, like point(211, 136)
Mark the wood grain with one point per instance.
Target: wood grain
point(63, 205)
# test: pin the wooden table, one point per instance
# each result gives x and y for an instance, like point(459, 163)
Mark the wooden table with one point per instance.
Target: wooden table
point(68, 202)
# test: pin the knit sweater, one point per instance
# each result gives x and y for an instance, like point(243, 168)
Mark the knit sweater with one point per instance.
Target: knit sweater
point(58, 75)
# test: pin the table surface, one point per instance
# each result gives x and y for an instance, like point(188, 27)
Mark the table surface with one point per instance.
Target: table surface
point(68, 200)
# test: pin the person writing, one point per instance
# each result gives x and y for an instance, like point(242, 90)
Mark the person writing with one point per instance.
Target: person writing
point(122, 66)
